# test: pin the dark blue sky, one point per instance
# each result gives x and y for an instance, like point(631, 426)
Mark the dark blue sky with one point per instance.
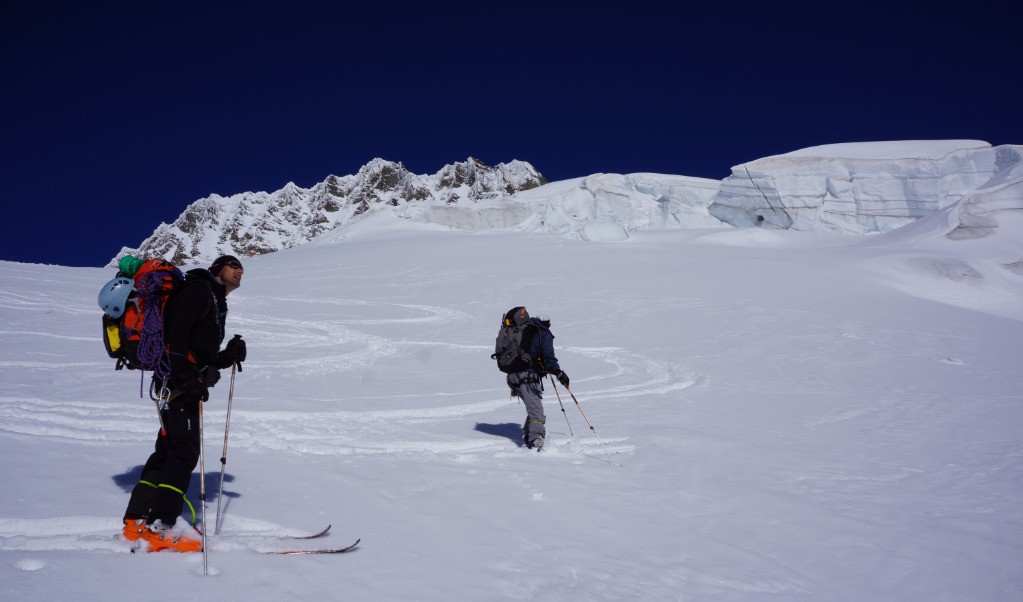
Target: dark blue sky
point(117, 115)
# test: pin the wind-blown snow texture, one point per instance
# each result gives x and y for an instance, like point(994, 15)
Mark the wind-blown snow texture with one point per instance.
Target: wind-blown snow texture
point(792, 416)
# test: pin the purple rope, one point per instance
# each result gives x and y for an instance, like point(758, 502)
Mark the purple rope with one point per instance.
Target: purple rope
point(152, 350)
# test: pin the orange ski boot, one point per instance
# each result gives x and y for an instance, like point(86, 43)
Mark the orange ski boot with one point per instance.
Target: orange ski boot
point(133, 528)
point(159, 537)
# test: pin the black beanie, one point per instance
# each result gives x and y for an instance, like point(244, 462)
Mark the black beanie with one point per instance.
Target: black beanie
point(220, 262)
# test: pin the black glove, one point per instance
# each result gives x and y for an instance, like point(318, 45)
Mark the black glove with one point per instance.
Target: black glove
point(563, 378)
point(237, 347)
point(190, 383)
point(233, 353)
point(211, 376)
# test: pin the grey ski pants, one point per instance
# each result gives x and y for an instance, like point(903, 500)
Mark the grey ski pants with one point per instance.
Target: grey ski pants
point(529, 388)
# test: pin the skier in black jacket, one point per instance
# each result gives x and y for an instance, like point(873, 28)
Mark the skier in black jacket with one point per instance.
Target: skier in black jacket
point(194, 329)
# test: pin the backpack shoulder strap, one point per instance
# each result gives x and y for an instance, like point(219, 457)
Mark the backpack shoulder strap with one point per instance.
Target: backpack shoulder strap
point(528, 333)
point(211, 299)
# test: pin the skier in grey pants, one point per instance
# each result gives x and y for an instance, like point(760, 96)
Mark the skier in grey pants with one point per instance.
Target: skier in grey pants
point(528, 384)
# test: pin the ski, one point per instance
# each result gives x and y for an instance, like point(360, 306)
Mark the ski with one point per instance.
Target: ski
point(140, 546)
point(317, 551)
point(310, 536)
point(243, 534)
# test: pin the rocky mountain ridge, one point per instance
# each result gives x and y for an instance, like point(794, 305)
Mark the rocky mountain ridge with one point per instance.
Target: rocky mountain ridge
point(254, 223)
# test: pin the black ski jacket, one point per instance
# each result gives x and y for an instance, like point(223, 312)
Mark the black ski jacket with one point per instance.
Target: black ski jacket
point(195, 323)
point(542, 347)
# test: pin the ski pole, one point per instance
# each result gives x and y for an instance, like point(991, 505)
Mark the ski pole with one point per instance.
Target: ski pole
point(544, 368)
point(202, 492)
point(561, 404)
point(223, 456)
point(590, 423)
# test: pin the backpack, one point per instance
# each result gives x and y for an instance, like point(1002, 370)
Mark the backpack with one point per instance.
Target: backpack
point(135, 338)
point(513, 341)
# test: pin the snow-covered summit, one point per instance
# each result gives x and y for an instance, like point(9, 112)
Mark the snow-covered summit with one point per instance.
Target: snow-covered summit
point(255, 223)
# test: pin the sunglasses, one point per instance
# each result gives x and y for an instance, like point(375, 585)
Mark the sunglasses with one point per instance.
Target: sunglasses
point(234, 265)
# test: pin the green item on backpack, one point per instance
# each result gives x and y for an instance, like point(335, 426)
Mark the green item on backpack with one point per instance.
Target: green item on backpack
point(129, 264)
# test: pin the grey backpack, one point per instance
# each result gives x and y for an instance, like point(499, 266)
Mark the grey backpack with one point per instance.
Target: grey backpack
point(513, 341)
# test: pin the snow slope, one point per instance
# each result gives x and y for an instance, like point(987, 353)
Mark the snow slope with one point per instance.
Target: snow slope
point(791, 416)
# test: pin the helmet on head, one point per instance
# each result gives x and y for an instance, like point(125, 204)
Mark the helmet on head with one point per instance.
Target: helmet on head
point(515, 316)
point(113, 297)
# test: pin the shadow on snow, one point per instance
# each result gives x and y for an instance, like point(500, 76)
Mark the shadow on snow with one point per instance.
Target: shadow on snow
point(128, 479)
point(509, 430)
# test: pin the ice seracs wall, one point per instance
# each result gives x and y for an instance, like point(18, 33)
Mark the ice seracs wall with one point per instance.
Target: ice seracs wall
point(598, 207)
point(981, 213)
point(858, 188)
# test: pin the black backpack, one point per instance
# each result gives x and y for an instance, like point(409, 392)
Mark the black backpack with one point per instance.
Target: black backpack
point(513, 341)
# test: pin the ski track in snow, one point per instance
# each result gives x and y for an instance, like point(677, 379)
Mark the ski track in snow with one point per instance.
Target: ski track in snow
point(345, 344)
point(328, 432)
point(415, 430)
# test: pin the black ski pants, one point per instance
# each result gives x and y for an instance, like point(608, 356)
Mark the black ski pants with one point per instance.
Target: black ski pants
point(160, 493)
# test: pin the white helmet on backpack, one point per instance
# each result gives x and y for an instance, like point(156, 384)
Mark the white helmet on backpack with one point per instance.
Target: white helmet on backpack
point(113, 297)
